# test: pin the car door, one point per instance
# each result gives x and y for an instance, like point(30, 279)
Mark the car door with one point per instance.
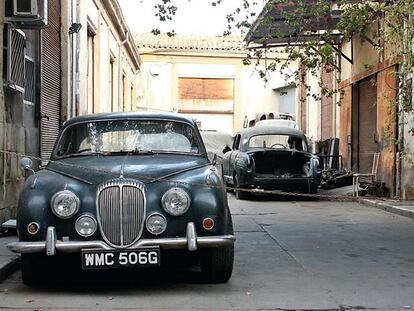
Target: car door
point(233, 156)
point(227, 159)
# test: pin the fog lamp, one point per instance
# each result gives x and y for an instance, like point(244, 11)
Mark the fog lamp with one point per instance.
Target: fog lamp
point(86, 225)
point(156, 224)
point(33, 228)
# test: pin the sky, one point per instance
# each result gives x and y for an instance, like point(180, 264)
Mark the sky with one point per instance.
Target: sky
point(193, 17)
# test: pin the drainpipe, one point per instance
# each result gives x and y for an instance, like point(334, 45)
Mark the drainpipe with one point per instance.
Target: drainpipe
point(72, 64)
point(120, 91)
point(3, 103)
point(4, 149)
point(77, 107)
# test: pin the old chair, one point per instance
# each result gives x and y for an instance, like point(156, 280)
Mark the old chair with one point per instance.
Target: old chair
point(356, 177)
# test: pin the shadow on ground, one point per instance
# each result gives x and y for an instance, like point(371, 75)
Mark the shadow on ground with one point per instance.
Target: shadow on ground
point(77, 280)
point(280, 197)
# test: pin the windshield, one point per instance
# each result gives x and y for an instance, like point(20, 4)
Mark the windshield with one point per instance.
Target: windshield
point(106, 137)
point(278, 142)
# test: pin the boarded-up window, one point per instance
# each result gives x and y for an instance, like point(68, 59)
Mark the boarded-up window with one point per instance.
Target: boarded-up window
point(206, 95)
point(206, 88)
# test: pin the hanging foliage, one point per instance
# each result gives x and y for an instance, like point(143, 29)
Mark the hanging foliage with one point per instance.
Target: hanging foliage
point(310, 30)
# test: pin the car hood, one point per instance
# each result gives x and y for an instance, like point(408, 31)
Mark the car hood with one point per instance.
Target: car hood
point(147, 168)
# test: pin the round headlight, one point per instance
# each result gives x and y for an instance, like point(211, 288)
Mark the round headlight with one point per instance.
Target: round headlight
point(64, 204)
point(86, 225)
point(176, 201)
point(156, 223)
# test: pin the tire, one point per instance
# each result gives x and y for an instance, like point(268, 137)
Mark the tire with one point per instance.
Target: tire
point(217, 264)
point(33, 268)
point(240, 194)
point(226, 184)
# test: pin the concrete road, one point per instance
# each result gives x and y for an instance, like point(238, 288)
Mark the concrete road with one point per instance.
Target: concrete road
point(289, 255)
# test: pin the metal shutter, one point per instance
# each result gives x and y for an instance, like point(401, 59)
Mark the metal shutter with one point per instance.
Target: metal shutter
point(367, 124)
point(50, 94)
point(327, 107)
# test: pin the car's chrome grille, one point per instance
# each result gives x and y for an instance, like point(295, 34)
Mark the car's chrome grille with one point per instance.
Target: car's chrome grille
point(121, 211)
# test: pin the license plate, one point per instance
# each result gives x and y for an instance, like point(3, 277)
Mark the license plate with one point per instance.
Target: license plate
point(110, 259)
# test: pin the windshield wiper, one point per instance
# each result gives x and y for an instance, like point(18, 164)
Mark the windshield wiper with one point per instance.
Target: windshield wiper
point(83, 154)
point(142, 152)
point(174, 152)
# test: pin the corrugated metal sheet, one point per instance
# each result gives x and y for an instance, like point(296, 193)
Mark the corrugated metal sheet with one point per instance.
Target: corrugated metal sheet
point(50, 95)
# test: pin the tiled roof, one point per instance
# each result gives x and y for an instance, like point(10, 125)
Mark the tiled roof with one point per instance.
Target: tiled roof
point(148, 41)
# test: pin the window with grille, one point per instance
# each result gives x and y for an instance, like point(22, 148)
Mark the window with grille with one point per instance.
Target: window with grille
point(16, 42)
point(30, 83)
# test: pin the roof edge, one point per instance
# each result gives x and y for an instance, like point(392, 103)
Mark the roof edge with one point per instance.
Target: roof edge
point(115, 11)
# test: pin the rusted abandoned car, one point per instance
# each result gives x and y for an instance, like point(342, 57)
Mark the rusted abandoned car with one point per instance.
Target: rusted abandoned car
point(121, 189)
point(271, 158)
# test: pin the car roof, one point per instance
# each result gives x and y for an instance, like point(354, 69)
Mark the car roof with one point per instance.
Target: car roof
point(130, 116)
point(267, 130)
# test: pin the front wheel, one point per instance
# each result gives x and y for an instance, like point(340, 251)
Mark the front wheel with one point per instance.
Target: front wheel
point(217, 264)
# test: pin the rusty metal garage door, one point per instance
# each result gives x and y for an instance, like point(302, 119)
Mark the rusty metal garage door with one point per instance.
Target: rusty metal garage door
point(367, 120)
point(327, 106)
point(50, 94)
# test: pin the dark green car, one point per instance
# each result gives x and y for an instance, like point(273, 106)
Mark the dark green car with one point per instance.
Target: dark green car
point(119, 191)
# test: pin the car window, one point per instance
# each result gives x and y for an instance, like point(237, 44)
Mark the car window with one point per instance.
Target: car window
point(277, 141)
point(236, 143)
point(128, 136)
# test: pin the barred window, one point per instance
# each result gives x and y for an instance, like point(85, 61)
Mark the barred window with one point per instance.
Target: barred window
point(29, 84)
point(16, 42)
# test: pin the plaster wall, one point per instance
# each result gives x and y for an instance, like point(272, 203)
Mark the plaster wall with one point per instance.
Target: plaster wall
point(313, 109)
point(19, 128)
point(108, 46)
point(407, 161)
point(159, 85)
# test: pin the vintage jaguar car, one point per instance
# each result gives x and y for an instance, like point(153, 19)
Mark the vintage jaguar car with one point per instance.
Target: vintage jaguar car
point(120, 190)
point(271, 158)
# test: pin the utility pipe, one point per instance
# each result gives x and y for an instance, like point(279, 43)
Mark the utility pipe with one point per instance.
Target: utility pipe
point(120, 80)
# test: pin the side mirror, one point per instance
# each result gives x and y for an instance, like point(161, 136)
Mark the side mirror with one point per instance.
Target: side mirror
point(214, 160)
point(26, 164)
point(226, 149)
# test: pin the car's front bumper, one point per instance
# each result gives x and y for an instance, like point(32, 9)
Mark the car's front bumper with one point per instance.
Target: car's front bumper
point(52, 245)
